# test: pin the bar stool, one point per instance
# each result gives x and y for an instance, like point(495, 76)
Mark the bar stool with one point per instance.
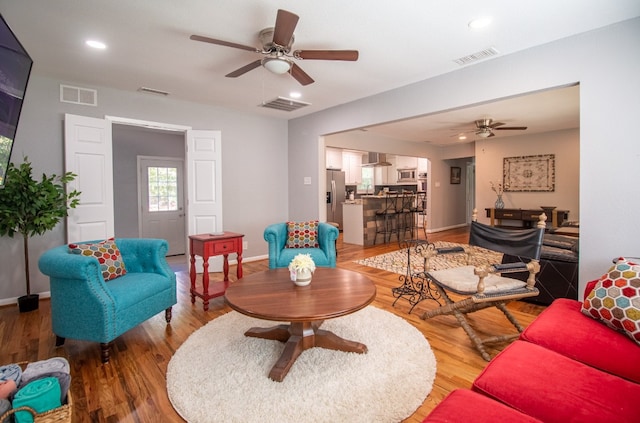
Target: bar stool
point(404, 207)
point(386, 219)
point(420, 210)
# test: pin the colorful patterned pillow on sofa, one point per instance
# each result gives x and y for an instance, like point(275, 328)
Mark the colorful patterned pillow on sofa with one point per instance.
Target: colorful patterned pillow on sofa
point(615, 299)
point(302, 234)
point(108, 256)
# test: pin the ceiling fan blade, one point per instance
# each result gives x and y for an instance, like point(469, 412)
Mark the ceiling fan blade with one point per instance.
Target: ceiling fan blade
point(285, 25)
point(495, 124)
point(244, 69)
point(300, 75)
point(223, 43)
point(517, 128)
point(349, 55)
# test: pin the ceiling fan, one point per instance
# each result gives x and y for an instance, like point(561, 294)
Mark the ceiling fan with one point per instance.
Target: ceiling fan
point(485, 128)
point(276, 48)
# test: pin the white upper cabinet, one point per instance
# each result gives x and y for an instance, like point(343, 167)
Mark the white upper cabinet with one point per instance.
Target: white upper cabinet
point(406, 162)
point(333, 158)
point(352, 166)
point(423, 165)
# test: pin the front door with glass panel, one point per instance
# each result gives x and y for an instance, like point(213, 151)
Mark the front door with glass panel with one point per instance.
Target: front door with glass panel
point(161, 201)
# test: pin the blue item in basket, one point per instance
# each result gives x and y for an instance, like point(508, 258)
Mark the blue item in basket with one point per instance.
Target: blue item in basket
point(41, 395)
point(11, 372)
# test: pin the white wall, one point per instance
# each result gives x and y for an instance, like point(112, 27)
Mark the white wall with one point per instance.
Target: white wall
point(254, 158)
point(605, 62)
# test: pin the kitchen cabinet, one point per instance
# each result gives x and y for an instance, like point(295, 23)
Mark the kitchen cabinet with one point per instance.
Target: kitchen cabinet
point(406, 162)
point(352, 165)
point(386, 175)
point(353, 228)
point(333, 158)
point(423, 165)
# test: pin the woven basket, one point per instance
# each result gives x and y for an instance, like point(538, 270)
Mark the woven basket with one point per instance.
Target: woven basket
point(61, 414)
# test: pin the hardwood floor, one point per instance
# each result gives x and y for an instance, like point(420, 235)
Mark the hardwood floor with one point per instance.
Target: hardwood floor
point(131, 388)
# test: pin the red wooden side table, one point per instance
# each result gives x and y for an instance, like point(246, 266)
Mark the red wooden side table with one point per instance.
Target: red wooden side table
point(208, 245)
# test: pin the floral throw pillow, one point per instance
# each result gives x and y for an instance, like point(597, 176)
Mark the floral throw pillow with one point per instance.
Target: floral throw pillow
point(302, 234)
point(108, 256)
point(615, 299)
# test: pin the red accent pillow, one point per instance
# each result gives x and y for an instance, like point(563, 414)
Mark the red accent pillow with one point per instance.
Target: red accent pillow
point(108, 256)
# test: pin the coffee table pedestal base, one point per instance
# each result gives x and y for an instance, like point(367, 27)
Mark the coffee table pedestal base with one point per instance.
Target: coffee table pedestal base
point(300, 336)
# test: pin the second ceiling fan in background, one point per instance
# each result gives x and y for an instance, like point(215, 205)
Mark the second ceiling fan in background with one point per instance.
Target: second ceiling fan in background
point(276, 49)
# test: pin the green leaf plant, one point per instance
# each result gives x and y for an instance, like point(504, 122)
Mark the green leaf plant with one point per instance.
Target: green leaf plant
point(30, 207)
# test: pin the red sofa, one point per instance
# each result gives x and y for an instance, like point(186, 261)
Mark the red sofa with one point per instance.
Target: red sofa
point(566, 367)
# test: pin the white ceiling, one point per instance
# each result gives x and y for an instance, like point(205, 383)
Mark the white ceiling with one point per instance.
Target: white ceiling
point(400, 42)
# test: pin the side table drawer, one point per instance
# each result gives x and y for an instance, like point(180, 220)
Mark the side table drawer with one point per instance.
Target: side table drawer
point(533, 215)
point(224, 247)
point(508, 214)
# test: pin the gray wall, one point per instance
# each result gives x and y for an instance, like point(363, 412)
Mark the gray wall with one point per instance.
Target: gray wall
point(129, 142)
point(254, 157)
point(605, 62)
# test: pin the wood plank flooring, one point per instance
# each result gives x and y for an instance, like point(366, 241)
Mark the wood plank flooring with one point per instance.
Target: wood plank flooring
point(131, 388)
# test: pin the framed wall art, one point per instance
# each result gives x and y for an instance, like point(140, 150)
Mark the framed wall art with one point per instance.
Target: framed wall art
point(456, 173)
point(530, 173)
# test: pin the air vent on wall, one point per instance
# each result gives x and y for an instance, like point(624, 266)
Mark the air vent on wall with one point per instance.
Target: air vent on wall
point(152, 91)
point(474, 57)
point(283, 103)
point(77, 95)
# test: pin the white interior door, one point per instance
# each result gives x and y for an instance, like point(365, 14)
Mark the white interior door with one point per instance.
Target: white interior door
point(204, 181)
point(88, 154)
point(161, 201)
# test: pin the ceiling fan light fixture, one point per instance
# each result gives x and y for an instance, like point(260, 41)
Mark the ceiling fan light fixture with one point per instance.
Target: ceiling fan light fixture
point(276, 65)
point(484, 133)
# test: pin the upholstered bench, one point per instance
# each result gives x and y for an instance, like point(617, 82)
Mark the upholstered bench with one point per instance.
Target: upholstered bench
point(558, 276)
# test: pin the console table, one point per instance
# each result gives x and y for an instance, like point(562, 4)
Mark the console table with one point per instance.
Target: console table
point(209, 245)
point(527, 217)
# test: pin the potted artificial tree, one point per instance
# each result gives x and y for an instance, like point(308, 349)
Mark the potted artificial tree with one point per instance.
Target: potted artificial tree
point(30, 207)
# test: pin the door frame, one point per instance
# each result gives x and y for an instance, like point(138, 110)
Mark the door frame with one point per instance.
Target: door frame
point(118, 120)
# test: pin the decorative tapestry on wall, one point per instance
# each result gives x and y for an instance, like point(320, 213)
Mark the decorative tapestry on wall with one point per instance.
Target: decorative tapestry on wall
point(530, 173)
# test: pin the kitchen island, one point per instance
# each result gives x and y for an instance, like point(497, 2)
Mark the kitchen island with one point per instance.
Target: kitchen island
point(359, 226)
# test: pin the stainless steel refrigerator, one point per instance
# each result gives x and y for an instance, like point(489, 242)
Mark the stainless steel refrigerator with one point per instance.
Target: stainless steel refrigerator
point(335, 196)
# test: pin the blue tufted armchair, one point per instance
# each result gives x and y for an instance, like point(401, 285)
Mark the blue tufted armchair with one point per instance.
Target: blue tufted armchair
point(279, 256)
point(85, 307)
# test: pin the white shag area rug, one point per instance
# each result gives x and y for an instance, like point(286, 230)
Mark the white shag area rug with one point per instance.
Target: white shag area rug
point(219, 375)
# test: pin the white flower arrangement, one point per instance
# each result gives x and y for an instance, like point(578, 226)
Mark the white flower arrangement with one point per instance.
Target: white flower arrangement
point(496, 188)
point(302, 261)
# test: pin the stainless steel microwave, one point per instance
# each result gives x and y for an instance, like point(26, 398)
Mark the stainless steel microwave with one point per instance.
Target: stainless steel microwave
point(407, 175)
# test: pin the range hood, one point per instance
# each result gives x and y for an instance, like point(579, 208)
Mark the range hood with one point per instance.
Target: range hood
point(377, 159)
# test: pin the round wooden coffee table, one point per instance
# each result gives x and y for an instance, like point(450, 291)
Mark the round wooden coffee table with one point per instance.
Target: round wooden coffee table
point(270, 295)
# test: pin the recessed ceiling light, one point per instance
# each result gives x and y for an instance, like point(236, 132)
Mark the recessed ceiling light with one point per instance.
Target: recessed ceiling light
point(96, 44)
point(462, 137)
point(295, 94)
point(480, 22)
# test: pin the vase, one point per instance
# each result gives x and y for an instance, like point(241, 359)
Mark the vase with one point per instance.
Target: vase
point(499, 203)
point(302, 277)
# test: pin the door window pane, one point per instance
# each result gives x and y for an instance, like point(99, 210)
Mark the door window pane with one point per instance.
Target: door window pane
point(163, 189)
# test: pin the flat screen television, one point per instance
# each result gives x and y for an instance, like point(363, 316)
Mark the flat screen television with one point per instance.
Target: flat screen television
point(15, 68)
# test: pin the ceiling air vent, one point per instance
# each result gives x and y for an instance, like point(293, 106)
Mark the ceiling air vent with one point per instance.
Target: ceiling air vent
point(285, 104)
point(77, 95)
point(474, 57)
